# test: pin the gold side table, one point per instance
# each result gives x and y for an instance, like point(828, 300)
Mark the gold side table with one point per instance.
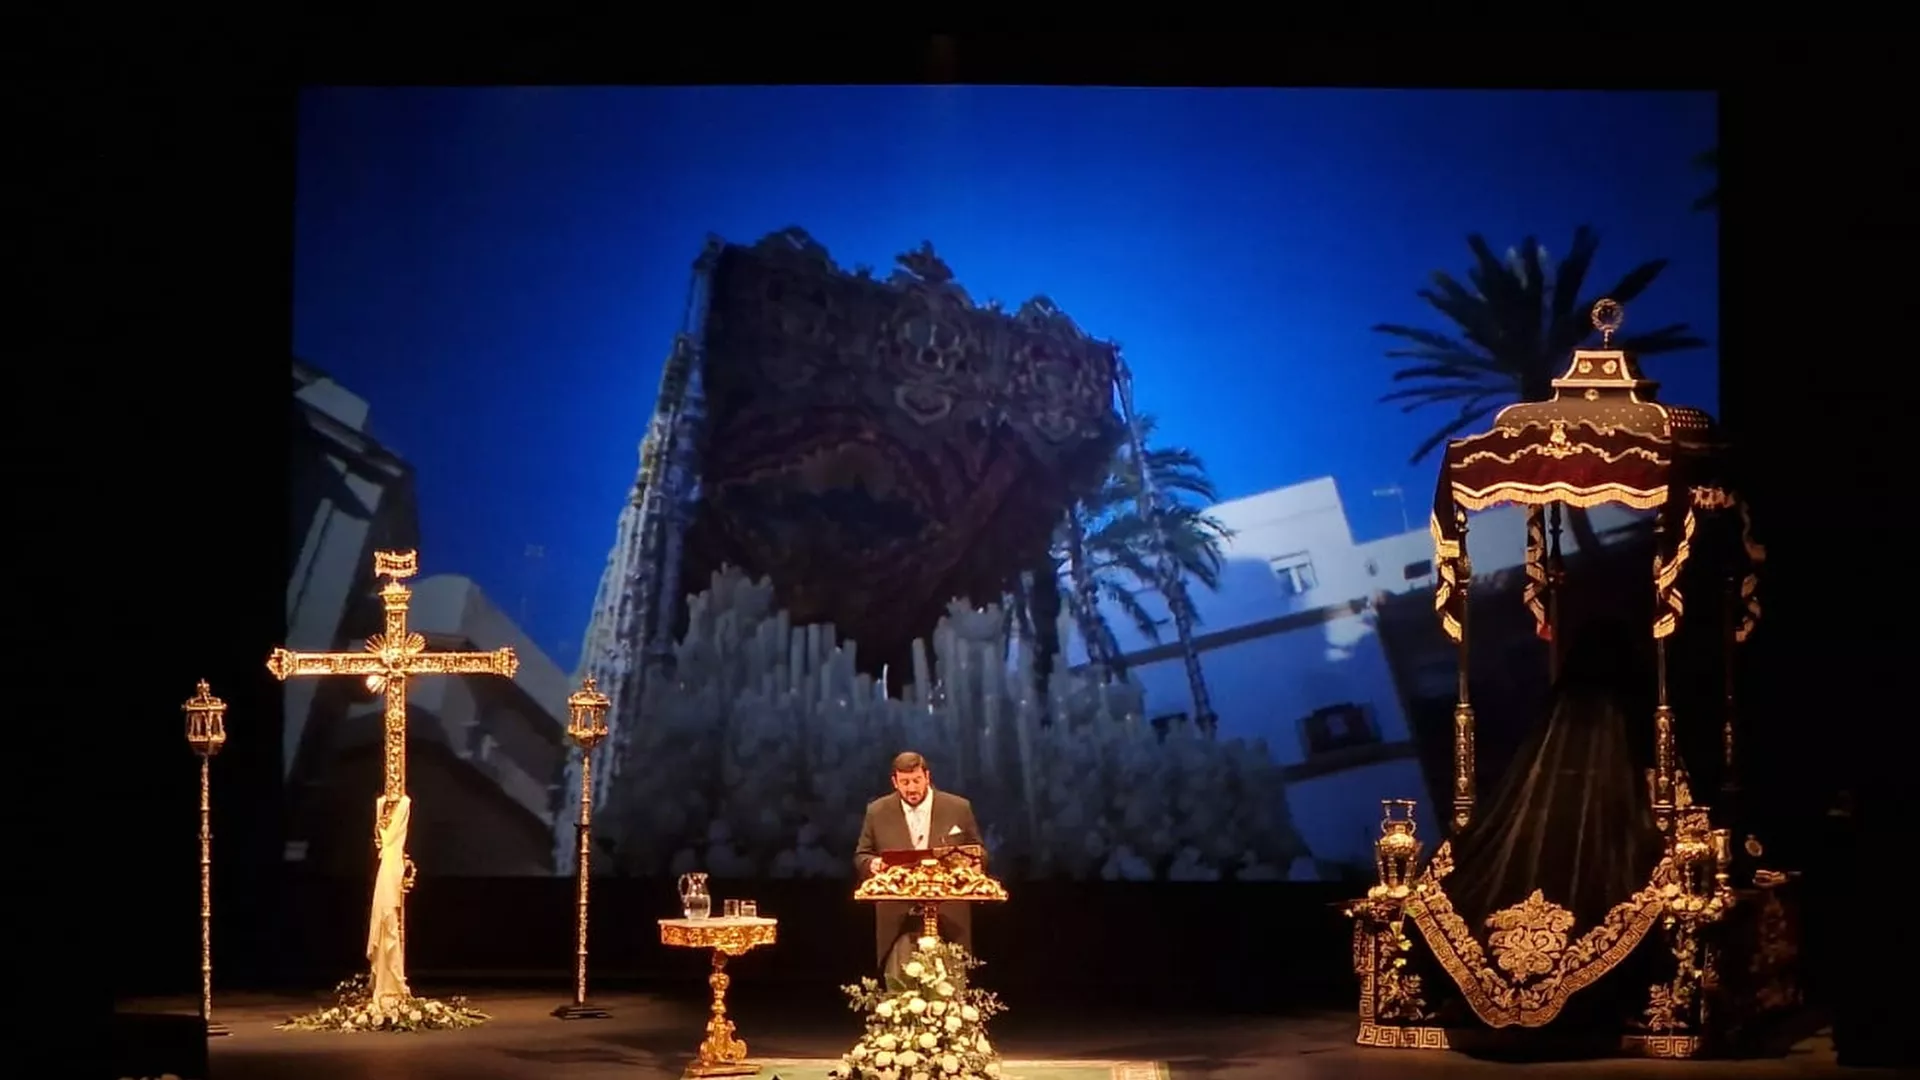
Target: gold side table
point(721, 1054)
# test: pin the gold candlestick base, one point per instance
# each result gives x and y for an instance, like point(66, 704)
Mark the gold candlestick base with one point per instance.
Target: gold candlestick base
point(217, 1030)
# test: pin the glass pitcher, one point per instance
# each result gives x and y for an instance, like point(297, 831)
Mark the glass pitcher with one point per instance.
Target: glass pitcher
point(695, 901)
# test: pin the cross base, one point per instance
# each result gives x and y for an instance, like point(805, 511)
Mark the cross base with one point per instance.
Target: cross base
point(217, 1030)
point(581, 1012)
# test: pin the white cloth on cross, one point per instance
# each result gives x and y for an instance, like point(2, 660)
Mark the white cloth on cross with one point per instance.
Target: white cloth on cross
point(386, 943)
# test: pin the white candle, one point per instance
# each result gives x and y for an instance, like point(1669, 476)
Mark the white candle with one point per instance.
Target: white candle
point(922, 676)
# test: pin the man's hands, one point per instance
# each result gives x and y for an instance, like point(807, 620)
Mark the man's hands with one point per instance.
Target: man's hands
point(874, 865)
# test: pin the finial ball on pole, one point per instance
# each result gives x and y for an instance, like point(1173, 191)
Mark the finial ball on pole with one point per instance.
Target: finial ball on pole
point(1607, 317)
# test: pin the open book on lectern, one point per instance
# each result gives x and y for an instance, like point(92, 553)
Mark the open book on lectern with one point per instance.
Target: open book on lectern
point(942, 875)
point(945, 854)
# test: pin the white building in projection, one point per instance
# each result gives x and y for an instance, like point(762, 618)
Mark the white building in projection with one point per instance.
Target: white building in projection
point(487, 755)
point(1290, 653)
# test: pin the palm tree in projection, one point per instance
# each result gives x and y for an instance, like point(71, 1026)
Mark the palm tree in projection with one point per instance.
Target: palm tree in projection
point(1105, 549)
point(1514, 322)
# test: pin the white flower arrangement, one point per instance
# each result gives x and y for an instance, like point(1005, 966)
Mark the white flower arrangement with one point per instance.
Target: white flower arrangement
point(928, 1025)
point(354, 1009)
point(757, 758)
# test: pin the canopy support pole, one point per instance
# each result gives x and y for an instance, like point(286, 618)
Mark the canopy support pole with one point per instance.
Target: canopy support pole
point(1663, 741)
point(1463, 733)
point(1556, 578)
point(1729, 647)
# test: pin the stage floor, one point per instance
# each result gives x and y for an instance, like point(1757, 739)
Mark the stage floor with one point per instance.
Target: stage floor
point(652, 1036)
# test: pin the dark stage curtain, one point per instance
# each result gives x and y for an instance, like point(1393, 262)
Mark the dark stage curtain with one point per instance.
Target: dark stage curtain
point(1571, 816)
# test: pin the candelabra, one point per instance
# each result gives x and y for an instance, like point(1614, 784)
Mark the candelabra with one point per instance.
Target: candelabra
point(586, 726)
point(206, 733)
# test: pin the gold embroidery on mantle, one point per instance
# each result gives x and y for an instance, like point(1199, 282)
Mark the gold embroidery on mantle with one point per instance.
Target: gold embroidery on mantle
point(1446, 561)
point(1533, 592)
point(1750, 617)
point(1560, 491)
point(1558, 446)
point(1666, 577)
point(1528, 938)
point(1749, 585)
point(1707, 497)
point(1535, 969)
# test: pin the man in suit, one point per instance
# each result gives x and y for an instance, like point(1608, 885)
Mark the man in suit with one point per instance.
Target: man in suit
point(914, 816)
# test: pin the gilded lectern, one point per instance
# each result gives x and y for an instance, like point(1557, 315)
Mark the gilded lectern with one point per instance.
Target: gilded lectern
point(928, 879)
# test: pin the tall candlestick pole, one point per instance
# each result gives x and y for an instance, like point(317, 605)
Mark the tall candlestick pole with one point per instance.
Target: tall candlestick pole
point(586, 726)
point(206, 733)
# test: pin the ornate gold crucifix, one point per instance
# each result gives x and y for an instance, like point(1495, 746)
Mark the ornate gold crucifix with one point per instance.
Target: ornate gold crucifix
point(387, 661)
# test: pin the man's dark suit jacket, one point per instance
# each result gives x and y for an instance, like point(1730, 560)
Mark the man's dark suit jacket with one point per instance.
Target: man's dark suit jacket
point(885, 829)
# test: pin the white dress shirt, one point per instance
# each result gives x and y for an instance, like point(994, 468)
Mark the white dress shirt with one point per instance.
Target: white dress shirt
point(919, 821)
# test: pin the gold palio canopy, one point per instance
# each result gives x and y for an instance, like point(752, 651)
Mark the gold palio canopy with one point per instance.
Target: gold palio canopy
point(1602, 439)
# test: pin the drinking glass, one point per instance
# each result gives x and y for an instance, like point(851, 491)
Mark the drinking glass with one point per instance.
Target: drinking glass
point(731, 909)
point(750, 909)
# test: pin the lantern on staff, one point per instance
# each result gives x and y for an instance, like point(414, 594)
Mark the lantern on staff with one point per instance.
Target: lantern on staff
point(206, 721)
point(206, 733)
point(587, 715)
point(587, 726)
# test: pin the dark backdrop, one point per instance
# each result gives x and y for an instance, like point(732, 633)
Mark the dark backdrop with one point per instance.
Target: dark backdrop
point(180, 372)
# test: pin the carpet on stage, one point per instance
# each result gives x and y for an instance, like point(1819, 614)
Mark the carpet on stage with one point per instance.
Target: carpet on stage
point(817, 1069)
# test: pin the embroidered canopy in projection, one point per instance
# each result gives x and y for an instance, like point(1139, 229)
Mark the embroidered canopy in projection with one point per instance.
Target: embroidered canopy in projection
point(880, 447)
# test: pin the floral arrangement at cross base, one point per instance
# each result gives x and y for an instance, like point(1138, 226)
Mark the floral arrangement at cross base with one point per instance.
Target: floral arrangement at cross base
point(355, 1010)
point(928, 1025)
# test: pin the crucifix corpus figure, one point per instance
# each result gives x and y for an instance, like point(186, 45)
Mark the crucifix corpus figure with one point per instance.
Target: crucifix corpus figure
point(388, 659)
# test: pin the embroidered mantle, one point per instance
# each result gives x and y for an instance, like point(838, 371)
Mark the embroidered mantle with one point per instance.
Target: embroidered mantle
point(1529, 968)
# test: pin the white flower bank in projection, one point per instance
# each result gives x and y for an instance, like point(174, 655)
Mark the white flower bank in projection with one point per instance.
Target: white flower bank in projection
point(758, 757)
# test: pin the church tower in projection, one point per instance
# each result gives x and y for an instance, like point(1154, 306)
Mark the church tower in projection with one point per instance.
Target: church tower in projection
point(873, 448)
point(631, 629)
